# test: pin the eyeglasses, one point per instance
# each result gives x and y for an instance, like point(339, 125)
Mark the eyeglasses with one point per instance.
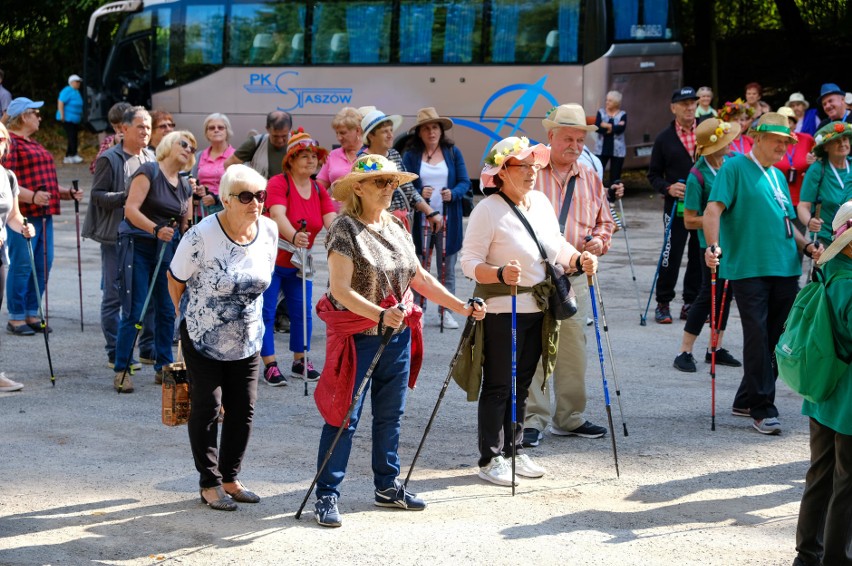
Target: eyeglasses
point(246, 196)
point(186, 145)
point(216, 127)
point(526, 166)
point(33, 111)
point(166, 126)
point(382, 183)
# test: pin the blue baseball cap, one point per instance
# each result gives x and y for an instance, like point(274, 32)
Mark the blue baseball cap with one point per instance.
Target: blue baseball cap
point(829, 88)
point(21, 105)
point(685, 93)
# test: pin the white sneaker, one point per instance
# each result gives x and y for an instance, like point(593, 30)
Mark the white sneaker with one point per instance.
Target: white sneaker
point(498, 471)
point(8, 385)
point(524, 466)
point(76, 159)
point(449, 321)
point(767, 426)
point(68, 159)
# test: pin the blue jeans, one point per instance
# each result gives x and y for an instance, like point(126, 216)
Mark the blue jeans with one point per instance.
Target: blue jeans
point(387, 396)
point(288, 280)
point(111, 306)
point(20, 292)
point(145, 255)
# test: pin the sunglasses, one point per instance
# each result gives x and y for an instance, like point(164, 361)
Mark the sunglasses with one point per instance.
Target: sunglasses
point(166, 126)
point(216, 127)
point(185, 144)
point(33, 111)
point(245, 197)
point(382, 183)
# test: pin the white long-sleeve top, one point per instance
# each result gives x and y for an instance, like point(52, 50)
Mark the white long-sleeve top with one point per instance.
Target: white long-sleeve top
point(495, 235)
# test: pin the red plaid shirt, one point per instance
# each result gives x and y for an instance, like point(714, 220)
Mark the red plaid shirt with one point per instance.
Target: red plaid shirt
point(687, 138)
point(34, 167)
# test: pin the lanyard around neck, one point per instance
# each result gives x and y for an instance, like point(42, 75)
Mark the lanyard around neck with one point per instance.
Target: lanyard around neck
point(837, 175)
point(773, 182)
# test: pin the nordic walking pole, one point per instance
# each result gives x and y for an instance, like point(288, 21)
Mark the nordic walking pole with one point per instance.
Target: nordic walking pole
point(643, 319)
point(361, 388)
point(138, 325)
point(427, 253)
point(468, 328)
point(817, 212)
point(75, 189)
point(443, 260)
point(611, 357)
point(303, 253)
point(46, 307)
point(713, 343)
point(41, 309)
point(591, 283)
point(514, 377)
point(630, 259)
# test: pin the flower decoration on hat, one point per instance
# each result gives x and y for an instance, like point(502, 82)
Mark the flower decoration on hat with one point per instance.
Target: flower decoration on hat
point(832, 131)
point(368, 165)
point(731, 110)
point(496, 157)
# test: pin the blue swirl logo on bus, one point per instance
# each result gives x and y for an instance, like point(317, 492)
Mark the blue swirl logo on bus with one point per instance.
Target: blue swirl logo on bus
point(510, 124)
point(294, 97)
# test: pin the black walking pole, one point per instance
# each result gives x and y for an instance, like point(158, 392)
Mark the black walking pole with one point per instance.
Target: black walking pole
point(643, 319)
point(385, 339)
point(468, 328)
point(603, 372)
point(138, 325)
point(40, 309)
point(79, 261)
point(443, 260)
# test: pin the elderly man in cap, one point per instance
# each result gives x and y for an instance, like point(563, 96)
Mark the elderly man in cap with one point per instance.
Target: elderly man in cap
point(671, 159)
point(749, 217)
point(265, 152)
point(579, 202)
point(832, 99)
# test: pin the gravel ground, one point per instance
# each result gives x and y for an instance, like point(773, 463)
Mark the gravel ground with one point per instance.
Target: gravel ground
point(91, 477)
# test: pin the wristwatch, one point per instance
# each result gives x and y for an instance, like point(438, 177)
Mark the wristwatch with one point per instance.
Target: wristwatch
point(433, 213)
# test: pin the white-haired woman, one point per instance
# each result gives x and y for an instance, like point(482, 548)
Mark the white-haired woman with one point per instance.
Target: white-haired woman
point(156, 212)
point(210, 163)
point(371, 265)
point(223, 265)
point(610, 148)
point(499, 253)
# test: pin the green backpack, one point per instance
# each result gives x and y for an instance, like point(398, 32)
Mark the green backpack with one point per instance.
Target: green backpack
point(806, 355)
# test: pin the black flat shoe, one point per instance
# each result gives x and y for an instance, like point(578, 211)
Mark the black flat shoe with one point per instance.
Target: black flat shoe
point(224, 503)
point(243, 495)
point(21, 330)
point(36, 327)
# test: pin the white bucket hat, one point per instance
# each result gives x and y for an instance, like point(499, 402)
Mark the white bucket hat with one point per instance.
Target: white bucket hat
point(374, 117)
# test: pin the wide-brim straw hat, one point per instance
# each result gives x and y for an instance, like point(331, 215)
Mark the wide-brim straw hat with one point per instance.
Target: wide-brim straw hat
point(429, 115)
point(797, 97)
point(830, 132)
point(841, 227)
point(300, 140)
point(567, 116)
point(375, 117)
point(773, 123)
point(788, 112)
point(519, 148)
point(713, 134)
point(367, 167)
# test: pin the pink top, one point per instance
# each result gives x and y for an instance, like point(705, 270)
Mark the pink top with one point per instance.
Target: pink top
point(210, 171)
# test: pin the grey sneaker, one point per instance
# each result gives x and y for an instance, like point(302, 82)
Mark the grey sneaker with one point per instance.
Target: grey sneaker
point(768, 425)
point(498, 471)
point(326, 513)
point(685, 362)
point(398, 496)
point(532, 437)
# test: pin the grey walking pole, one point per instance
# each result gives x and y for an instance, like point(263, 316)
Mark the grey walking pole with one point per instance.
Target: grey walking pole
point(630, 256)
point(75, 189)
point(385, 339)
point(643, 318)
point(303, 256)
point(591, 283)
point(138, 325)
point(40, 309)
point(468, 328)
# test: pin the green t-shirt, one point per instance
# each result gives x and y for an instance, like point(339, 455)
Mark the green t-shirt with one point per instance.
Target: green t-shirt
point(834, 412)
point(821, 180)
point(752, 231)
point(695, 197)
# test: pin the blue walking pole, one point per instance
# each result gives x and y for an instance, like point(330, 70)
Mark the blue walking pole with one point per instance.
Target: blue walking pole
point(603, 371)
point(514, 377)
point(643, 319)
point(42, 322)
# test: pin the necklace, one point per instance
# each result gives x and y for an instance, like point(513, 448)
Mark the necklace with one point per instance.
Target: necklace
point(244, 240)
point(430, 155)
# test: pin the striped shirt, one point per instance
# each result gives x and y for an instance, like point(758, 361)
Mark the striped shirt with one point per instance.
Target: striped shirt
point(589, 212)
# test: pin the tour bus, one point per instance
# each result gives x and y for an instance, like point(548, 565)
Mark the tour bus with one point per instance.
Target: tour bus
point(494, 66)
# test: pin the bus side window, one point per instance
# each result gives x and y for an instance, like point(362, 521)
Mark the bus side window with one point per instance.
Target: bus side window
point(463, 32)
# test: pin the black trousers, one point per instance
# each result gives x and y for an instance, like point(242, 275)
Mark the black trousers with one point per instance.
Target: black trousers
point(824, 530)
point(615, 166)
point(229, 384)
point(679, 239)
point(701, 305)
point(71, 130)
point(764, 303)
point(495, 399)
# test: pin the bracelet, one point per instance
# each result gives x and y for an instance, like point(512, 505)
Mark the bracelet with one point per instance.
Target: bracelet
point(433, 213)
point(157, 229)
point(805, 251)
point(35, 192)
point(293, 239)
point(500, 274)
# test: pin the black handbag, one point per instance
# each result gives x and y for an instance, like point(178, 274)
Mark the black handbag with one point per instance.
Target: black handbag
point(563, 300)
